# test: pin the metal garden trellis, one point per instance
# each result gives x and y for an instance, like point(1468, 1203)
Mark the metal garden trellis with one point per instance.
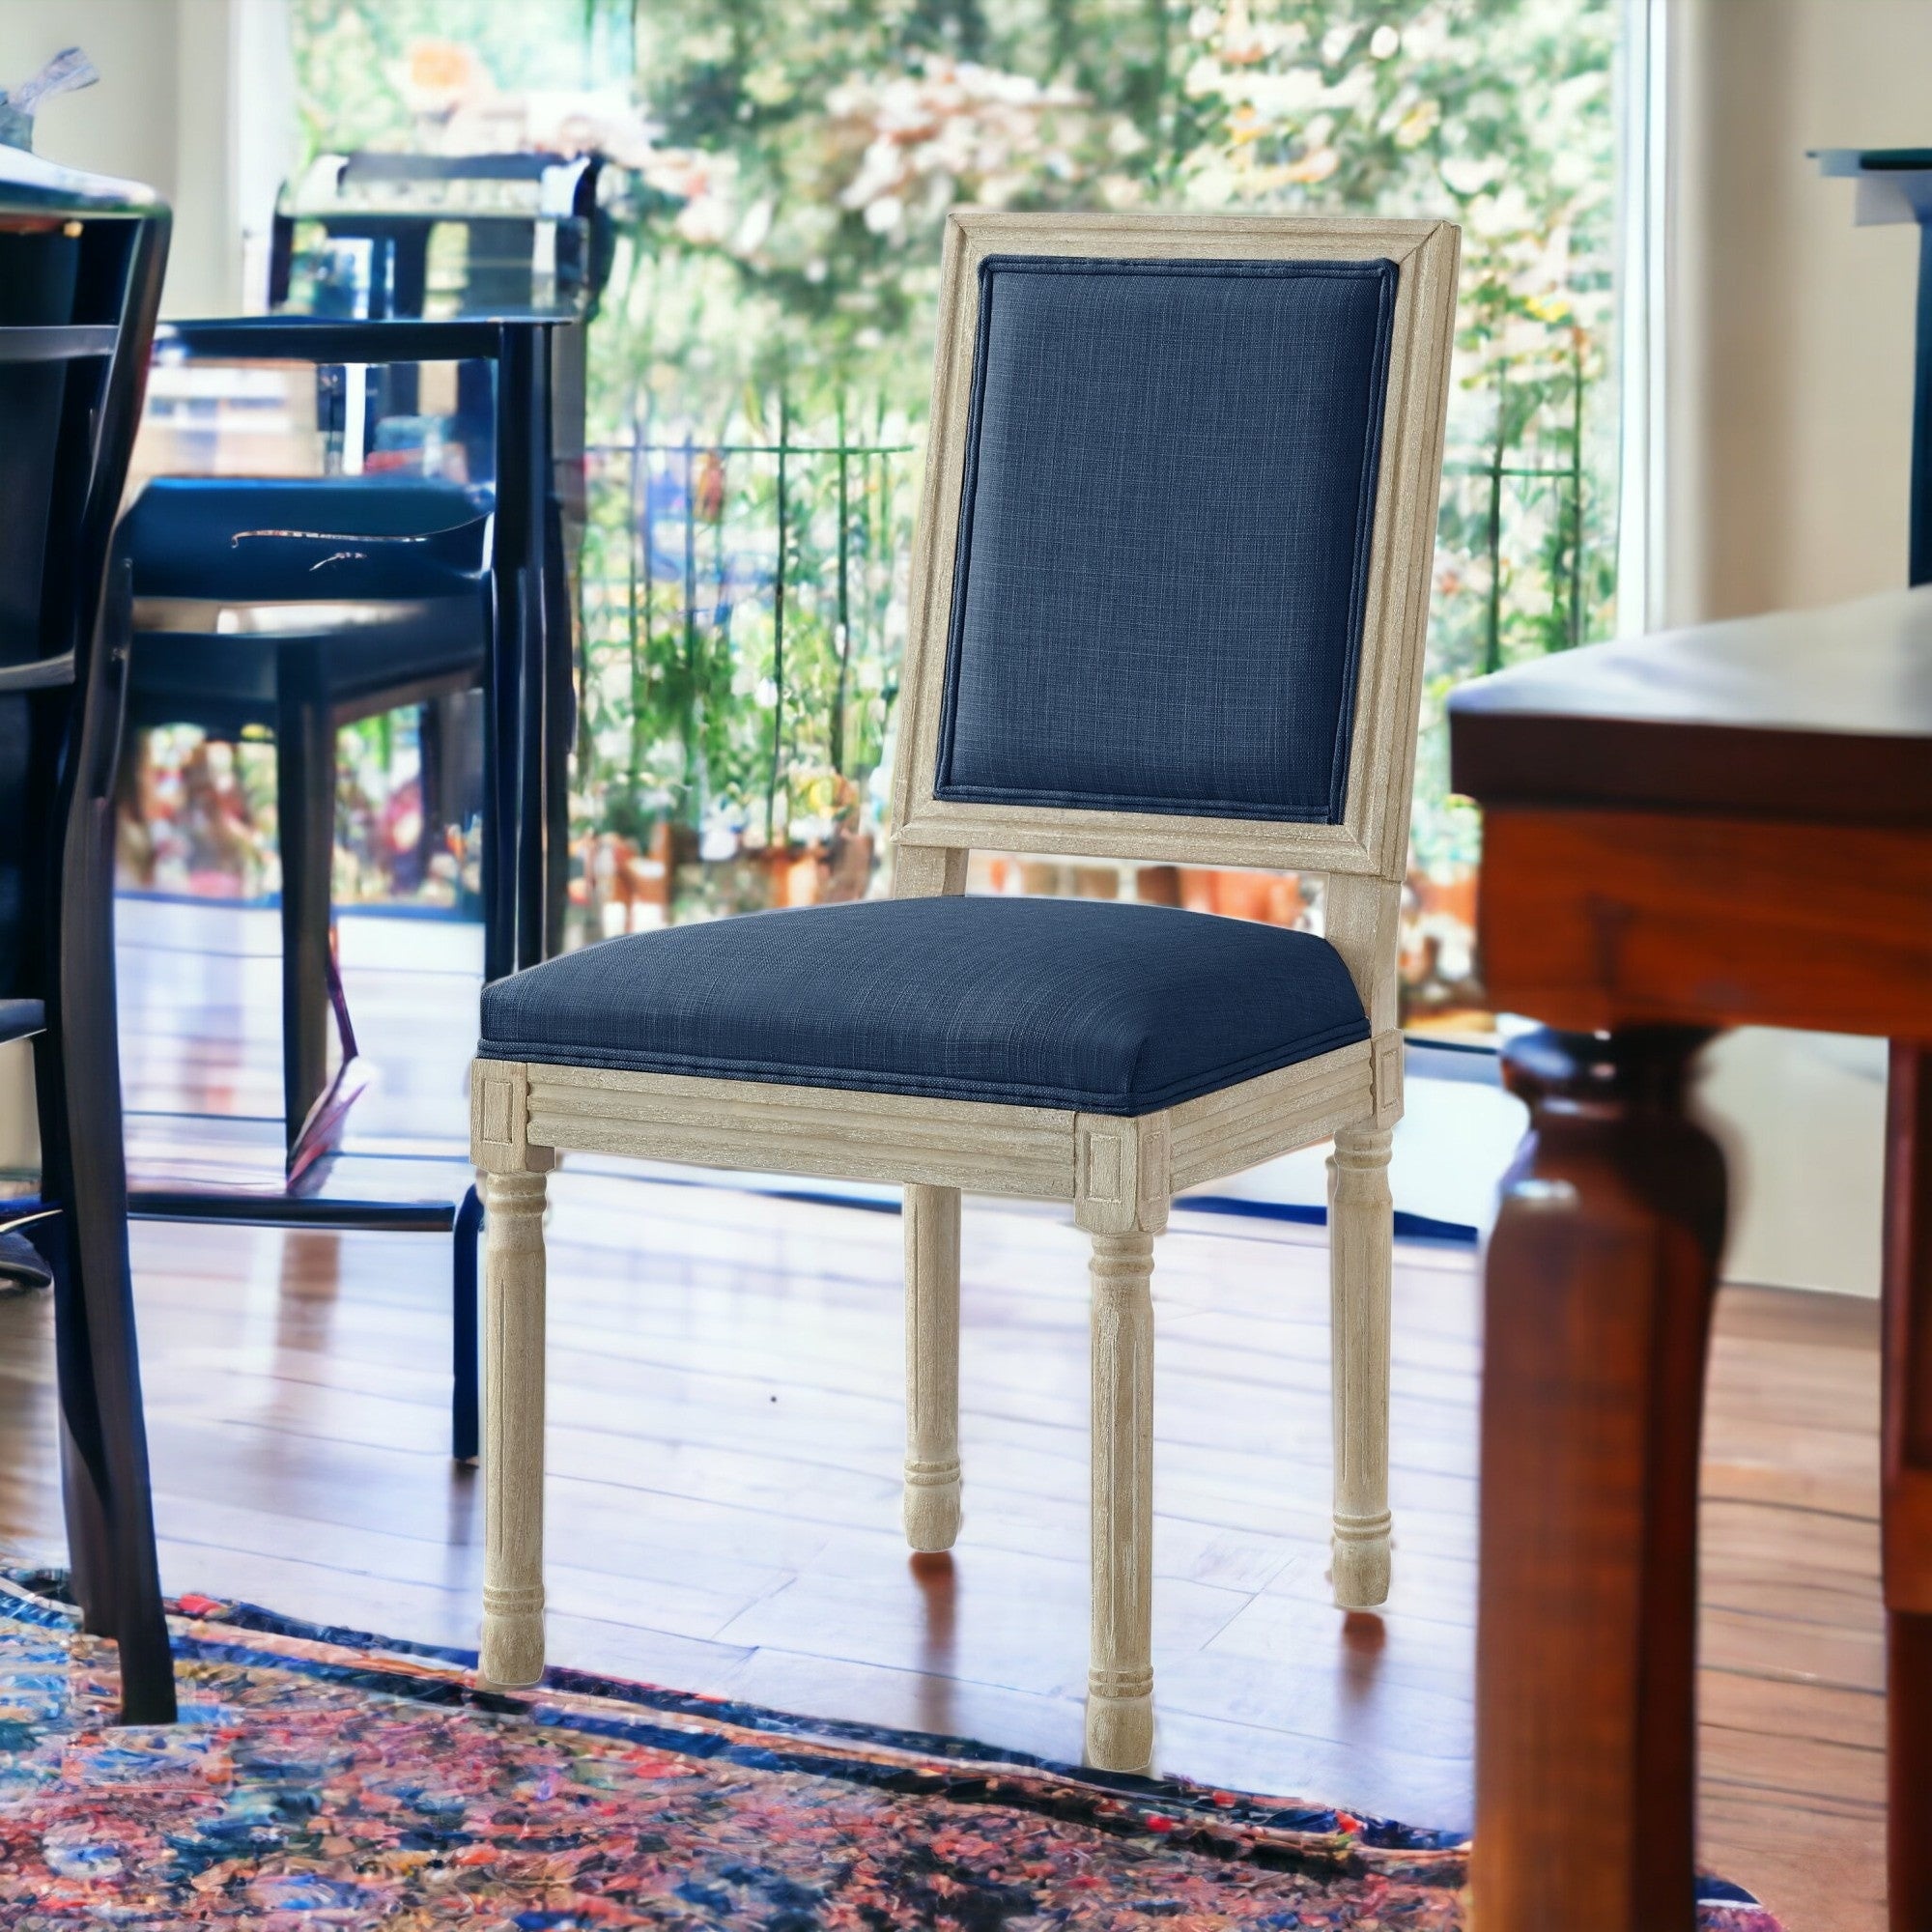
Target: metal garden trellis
point(1568, 475)
point(701, 466)
point(856, 479)
point(1571, 477)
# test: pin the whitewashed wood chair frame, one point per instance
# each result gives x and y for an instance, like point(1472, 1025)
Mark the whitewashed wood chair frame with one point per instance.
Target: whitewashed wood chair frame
point(1118, 1172)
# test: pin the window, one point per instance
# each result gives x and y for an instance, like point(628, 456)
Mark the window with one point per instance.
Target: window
point(761, 362)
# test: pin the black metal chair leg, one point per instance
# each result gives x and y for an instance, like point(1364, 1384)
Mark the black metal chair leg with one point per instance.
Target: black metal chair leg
point(464, 1407)
point(305, 805)
point(83, 1457)
point(88, 1559)
point(502, 740)
point(104, 1439)
point(430, 782)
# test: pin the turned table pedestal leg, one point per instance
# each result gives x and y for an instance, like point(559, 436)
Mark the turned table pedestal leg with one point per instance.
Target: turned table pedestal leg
point(1908, 1487)
point(1600, 1277)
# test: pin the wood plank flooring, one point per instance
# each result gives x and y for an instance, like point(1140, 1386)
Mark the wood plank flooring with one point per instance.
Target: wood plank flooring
point(724, 1445)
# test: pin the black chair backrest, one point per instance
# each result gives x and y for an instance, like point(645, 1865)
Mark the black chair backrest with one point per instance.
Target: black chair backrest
point(500, 254)
point(395, 202)
point(81, 260)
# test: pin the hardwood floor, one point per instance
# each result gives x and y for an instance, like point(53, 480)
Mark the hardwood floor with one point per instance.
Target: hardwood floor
point(726, 1438)
point(724, 1448)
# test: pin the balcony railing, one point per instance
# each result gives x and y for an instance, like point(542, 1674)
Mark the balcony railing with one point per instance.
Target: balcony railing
point(743, 614)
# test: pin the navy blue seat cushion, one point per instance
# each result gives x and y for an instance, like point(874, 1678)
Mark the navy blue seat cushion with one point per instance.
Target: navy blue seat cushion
point(1164, 527)
point(20, 1017)
point(1108, 1009)
point(249, 539)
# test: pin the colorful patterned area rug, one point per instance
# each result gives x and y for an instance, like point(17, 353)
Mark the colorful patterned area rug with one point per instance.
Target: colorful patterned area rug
point(328, 1780)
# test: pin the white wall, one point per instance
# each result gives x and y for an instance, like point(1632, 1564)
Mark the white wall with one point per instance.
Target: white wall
point(195, 97)
point(1792, 368)
point(1788, 455)
point(125, 126)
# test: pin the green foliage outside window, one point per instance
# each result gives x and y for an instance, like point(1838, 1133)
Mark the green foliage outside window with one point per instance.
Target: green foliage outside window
point(776, 283)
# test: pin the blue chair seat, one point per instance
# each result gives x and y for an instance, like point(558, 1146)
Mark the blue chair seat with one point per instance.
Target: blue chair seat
point(20, 1017)
point(1103, 1007)
point(334, 539)
point(416, 546)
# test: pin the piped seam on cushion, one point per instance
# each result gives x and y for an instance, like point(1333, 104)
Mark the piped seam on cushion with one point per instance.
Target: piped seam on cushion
point(1348, 1033)
point(1094, 801)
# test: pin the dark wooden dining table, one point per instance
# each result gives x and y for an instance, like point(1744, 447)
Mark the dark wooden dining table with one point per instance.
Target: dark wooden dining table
point(1709, 827)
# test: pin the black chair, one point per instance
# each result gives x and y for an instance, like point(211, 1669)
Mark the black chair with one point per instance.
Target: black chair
point(406, 575)
point(81, 260)
point(397, 574)
point(420, 587)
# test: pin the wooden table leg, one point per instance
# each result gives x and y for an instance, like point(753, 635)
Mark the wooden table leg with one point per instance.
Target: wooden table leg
point(1908, 1485)
point(1601, 1272)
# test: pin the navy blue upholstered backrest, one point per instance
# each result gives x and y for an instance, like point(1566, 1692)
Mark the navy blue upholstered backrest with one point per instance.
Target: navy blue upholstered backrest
point(1164, 526)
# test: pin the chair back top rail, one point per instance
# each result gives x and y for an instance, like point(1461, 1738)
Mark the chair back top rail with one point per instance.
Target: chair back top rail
point(504, 203)
point(325, 340)
point(32, 342)
point(1171, 578)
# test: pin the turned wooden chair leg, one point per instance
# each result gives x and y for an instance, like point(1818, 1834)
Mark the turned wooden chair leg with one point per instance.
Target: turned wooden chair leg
point(511, 1174)
point(513, 1460)
point(513, 1455)
point(1120, 1677)
point(1361, 1258)
point(933, 1367)
point(1123, 1184)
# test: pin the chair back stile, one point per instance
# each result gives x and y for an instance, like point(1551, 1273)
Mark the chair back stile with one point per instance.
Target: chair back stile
point(81, 261)
point(1171, 576)
point(70, 405)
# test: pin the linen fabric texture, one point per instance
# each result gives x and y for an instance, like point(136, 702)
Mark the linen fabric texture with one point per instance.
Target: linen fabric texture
point(1164, 532)
point(1106, 1008)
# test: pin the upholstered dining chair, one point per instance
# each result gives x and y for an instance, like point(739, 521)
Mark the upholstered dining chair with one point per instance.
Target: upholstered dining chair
point(1167, 600)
